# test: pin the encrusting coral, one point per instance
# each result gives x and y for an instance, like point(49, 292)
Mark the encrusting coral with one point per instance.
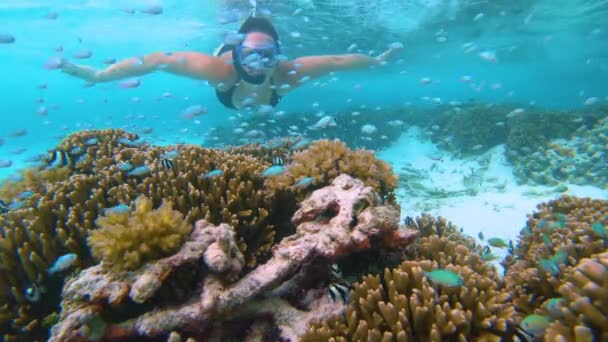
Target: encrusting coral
point(334, 222)
point(126, 240)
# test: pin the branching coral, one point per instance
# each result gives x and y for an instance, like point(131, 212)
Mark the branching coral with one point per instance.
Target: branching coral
point(325, 160)
point(125, 241)
point(32, 180)
point(334, 222)
point(583, 316)
point(404, 305)
point(556, 237)
point(57, 219)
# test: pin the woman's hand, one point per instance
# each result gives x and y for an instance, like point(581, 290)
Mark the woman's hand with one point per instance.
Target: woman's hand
point(393, 49)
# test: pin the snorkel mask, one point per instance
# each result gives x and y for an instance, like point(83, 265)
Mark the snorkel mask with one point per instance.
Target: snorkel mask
point(250, 60)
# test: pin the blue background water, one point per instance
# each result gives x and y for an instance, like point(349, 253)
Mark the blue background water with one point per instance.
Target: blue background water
point(551, 53)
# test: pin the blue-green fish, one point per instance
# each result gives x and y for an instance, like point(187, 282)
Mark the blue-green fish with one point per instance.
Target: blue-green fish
point(273, 171)
point(63, 263)
point(139, 171)
point(445, 278)
point(480, 236)
point(542, 223)
point(214, 173)
point(304, 182)
point(124, 167)
point(554, 305)
point(497, 242)
point(560, 216)
point(546, 240)
point(557, 224)
point(91, 142)
point(535, 324)
point(117, 209)
point(549, 266)
point(599, 230)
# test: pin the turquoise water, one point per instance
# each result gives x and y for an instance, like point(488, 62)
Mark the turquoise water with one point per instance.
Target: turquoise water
point(491, 108)
point(549, 55)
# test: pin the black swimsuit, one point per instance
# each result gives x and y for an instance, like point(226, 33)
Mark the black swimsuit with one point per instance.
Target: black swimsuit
point(225, 97)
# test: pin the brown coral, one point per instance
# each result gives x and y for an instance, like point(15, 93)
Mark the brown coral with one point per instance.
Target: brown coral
point(58, 219)
point(405, 306)
point(324, 160)
point(563, 226)
point(335, 221)
point(584, 314)
point(125, 241)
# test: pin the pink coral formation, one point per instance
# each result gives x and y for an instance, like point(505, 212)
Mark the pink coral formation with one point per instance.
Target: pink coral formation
point(336, 221)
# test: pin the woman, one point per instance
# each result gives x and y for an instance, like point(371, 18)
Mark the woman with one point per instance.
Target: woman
point(248, 73)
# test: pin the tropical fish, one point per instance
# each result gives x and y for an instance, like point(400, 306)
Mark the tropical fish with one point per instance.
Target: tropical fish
point(4, 163)
point(170, 154)
point(91, 141)
point(557, 224)
point(139, 171)
point(166, 163)
point(553, 306)
point(214, 173)
point(130, 83)
point(59, 158)
point(487, 255)
point(124, 167)
point(324, 122)
point(599, 230)
point(535, 324)
point(3, 207)
point(480, 236)
point(63, 263)
point(117, 209)
point(445, 278)
point(546, 240)
point(549, 266)
point(7, 38)
point(497, 242)
point(273, 171)
point(304, 182)
point(153, 10)
point(542, 223)
point(34, 292)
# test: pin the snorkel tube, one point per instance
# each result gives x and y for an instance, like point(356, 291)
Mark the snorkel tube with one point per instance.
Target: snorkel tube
point(252, 24)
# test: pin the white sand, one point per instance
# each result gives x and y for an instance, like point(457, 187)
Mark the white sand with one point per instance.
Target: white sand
point(498, 213)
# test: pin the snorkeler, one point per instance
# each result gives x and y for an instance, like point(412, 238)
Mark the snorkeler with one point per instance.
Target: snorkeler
point(250, 72)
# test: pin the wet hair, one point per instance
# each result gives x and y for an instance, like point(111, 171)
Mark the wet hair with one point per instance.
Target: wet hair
point(259, 24)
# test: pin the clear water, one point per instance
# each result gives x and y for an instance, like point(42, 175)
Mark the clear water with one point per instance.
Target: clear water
point(550, 55)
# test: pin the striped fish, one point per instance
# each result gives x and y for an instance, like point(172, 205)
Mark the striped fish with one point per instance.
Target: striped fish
point(3, 207)
point(167, 163)
point(59, 158)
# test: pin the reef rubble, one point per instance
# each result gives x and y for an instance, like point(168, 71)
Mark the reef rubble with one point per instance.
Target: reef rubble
point(336, 221)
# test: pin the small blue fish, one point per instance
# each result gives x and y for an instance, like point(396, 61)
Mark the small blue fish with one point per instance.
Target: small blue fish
point(139, 171)
point(546, 240)
point(25, 195)
point(4, 163)
point(117, 209)
point(274, 171)
point(542, 223)
point(599, 230)
point(16, 205)
point(131, 143)
point(76, 150)
point(83, 54)
point(549, 266)
point(535, 324)
point(445, 278)
point(497, 242)
point(130, 83)
point(557, 224)
point(214, 173)
point(63, 263)
point(91, 142)
point(554, 305)
point(304, 182)
point(170, 154)
point(125, 167)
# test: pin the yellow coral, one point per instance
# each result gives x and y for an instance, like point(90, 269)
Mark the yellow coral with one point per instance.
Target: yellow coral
point(32, 180)
point(325, 160)
point(127, 240)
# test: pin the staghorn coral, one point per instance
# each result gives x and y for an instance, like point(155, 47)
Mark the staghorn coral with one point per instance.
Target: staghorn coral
point(403, 305)
point(58, 219)
point(32, 180)
point(563, 226)
point(584, 314)
point(125, 241)
point(353, 219)
point(324, 160)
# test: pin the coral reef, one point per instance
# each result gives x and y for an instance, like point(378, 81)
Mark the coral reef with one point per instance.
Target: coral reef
point(325, 160)
point(578, 159)
point(334, 222)
point(404, 305)
point(583, 314)
point(32, 180)
point(112, 168)
point(125, 240)
point(555, 239)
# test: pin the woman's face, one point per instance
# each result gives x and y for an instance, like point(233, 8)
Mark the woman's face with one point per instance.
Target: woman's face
point(258, 53)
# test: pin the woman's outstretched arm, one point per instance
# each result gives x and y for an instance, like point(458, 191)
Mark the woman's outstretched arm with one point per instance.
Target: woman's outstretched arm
point(190, 64)
point(317, 66)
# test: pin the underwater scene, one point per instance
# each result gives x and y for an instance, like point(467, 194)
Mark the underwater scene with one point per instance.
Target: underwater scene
point(304, 170)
